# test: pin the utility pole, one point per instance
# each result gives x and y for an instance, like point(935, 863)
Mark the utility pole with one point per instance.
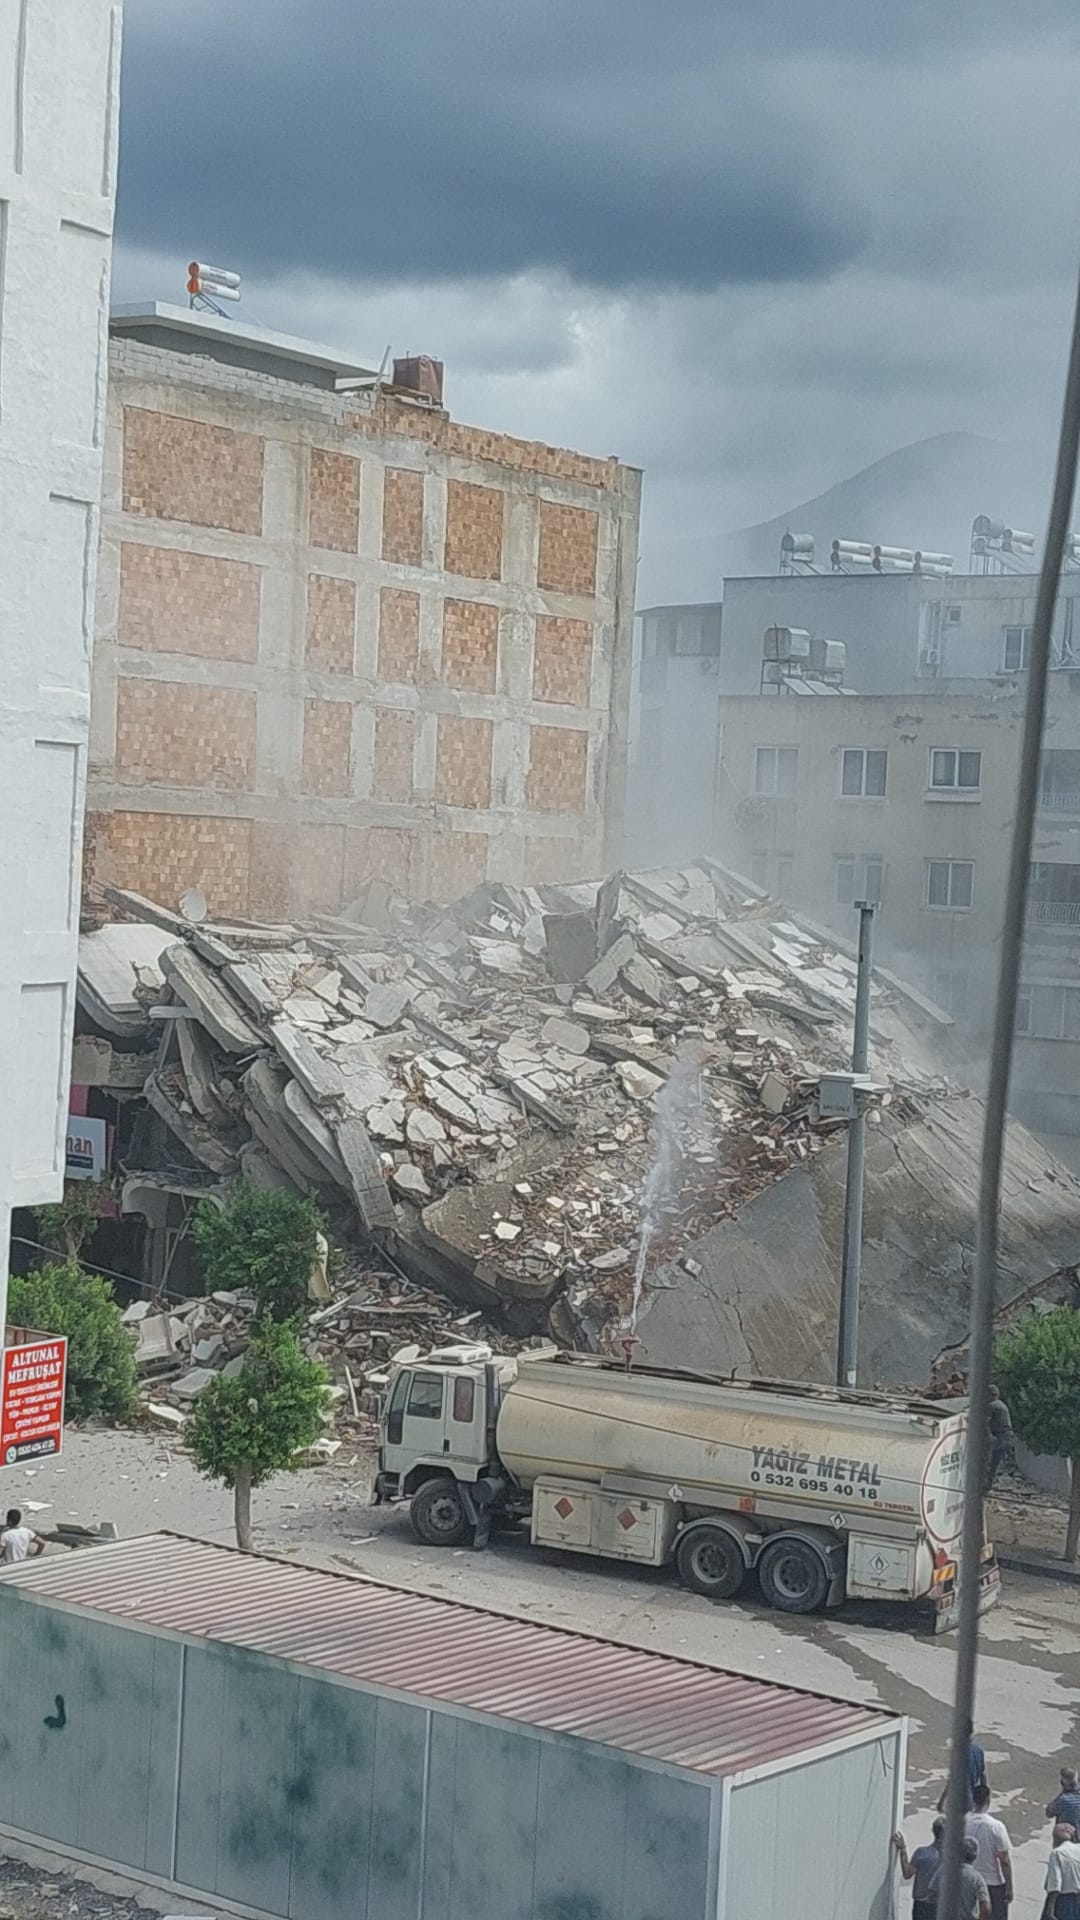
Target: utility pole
point(847, 1352)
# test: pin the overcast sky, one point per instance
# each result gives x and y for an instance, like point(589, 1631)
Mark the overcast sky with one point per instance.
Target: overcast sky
point(749, 245)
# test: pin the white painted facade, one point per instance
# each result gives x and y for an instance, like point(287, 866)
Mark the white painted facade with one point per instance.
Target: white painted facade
point(59, 98)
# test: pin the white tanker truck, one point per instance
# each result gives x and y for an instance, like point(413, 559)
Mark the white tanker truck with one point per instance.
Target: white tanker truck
point(821, 1492)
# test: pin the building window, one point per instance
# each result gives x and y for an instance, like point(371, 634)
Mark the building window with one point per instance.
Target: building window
point(859, 878)
point(874, 879)
point(863, 772)
point(950, 990)
point(953, 770)
point(1048, 1012)
point(949, 883)
point(759, 871)
point(775, 769)
point(1017, 645)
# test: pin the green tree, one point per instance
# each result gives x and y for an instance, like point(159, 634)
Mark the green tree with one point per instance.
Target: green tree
point(1037, 1368)
point(66, 1227)
point(243, 1430)
point(260, 1243)
point(60, 1298)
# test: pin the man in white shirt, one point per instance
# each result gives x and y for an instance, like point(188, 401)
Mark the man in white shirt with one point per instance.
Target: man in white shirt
point(993, 1856)
point(18, 1542)
point(1063, 1876)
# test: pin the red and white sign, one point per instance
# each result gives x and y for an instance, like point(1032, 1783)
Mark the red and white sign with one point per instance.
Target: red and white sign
point(32, 1401)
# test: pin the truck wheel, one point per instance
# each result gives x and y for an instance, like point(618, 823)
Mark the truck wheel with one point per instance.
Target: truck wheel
point(709, 1562)
point(793, 1576)
point(438, 1515)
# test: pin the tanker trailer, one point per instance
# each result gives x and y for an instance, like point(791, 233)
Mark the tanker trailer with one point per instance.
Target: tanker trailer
point(820, 1492)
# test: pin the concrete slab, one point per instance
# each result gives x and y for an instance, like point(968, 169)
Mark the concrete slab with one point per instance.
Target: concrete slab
point(198, 986)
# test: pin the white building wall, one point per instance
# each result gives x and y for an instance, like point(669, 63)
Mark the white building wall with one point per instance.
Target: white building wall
point(59, 96)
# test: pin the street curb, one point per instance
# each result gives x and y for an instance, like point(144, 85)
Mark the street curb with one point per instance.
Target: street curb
point(1034, 1563)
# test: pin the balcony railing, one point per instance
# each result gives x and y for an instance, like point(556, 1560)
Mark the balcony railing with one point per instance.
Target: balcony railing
point(1054, 913)
point(1060, 799)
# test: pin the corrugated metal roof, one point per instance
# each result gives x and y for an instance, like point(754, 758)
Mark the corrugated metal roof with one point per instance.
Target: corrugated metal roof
point(646, 1703)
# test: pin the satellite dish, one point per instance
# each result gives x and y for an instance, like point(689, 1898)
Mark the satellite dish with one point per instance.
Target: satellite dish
point(193, 905)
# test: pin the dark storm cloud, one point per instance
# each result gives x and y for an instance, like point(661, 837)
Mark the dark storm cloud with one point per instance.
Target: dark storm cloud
point(618, 142)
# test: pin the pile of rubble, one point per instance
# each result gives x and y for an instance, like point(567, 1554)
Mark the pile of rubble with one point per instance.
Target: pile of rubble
point(370, 1319)
point(476, 1088)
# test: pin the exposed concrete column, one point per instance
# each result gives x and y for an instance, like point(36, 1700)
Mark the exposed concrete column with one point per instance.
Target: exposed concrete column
point(282, 619)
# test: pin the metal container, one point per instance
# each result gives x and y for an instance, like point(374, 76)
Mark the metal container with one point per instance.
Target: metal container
point(307, 1746)
point(786, 643)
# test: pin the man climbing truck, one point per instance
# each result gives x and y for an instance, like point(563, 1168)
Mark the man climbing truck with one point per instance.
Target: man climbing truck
point(822, 1493)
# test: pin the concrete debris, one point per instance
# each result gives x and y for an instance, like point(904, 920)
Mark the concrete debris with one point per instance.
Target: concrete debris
point(410, 1181)
point(637, 1081)
point(190, 1385)
point(385, 1005)
point(423, 1129)
point(469, 1090)
point(571, 945)
point(566, 1034)
point(164, 1415)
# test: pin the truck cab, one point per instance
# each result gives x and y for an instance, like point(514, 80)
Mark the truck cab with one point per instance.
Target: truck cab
point(438, 1434)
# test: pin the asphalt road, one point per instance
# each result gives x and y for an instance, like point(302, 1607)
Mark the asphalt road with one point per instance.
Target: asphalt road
point(1029, 1682)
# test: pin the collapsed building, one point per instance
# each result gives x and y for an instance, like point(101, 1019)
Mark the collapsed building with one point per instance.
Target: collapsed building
point(485, 1097)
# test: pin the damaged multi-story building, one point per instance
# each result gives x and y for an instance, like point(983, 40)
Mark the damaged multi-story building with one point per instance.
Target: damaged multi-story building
point(342, 635)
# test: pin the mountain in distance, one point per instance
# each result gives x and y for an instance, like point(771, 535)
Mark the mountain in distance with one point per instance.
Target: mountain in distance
point(923, 496)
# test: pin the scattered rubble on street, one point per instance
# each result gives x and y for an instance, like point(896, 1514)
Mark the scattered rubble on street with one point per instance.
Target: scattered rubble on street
point(469, 1091)
point(372, 1319)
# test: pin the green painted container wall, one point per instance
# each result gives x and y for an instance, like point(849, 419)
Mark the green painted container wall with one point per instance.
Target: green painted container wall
point(237, 1776)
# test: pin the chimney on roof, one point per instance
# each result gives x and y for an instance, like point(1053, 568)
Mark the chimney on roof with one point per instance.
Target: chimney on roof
point(418, 373)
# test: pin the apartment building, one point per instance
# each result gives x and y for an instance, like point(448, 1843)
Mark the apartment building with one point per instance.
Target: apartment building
point(909, 800)
point(902, 634)
point(342, 636)
point(59, 62)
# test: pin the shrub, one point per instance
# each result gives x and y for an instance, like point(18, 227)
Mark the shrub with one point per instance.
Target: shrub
point(60, 1297)
point(1037, 1368)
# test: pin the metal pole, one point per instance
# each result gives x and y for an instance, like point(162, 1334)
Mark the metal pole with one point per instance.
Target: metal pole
point(847, 1352)
point(997, 1091)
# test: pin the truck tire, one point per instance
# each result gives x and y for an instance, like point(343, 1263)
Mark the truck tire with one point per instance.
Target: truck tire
point(437, 1513)
point(709, 1561)
point(793, 1576)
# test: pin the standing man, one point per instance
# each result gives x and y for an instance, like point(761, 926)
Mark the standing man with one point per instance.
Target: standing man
point(1002, 1437)
point(18, 1542)
point(1065, 1808)
point(993, 1853)
point(976, 1771)
point(921, 1868)
point(1063, 1877)
point(974, 1903)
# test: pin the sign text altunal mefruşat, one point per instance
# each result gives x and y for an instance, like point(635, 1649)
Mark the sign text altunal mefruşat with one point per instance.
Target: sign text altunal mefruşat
point(32, 1400)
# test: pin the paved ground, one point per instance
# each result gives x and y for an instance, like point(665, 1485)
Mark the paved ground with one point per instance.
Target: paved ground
point(1029, 1690)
